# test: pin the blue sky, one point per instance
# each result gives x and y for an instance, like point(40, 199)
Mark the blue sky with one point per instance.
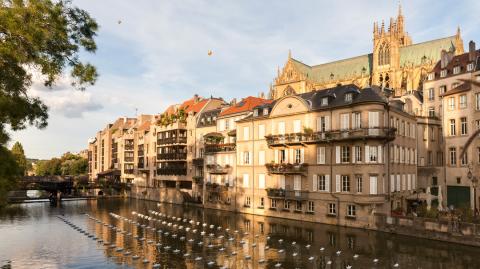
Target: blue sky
point(157, 55)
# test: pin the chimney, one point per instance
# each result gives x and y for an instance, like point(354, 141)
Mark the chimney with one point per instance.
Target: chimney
point(471, 51)
point(196, 98)
point(233, 102)
point(443, 59)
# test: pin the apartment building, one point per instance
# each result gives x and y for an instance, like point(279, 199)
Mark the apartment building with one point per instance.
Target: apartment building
point(334, 156)
point(455, 104)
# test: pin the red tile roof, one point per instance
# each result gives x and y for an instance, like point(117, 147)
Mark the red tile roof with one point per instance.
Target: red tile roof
point(247, 104)
point(145, 126)
point(188, 105)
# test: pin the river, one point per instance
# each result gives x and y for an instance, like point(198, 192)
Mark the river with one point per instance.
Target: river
point(77, 234)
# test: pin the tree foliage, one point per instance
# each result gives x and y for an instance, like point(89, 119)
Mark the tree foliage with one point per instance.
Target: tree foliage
point(68, 165)
point(44, 36)
point(19, 155)
point(8, 172)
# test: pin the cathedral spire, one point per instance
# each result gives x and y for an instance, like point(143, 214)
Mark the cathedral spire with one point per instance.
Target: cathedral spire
point(382, 30)
point(289, 54)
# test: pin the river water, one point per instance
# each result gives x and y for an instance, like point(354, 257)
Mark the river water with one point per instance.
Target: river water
point(38, 235)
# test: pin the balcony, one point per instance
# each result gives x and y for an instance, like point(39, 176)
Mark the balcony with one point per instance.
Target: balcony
point(276, 193)
point(172, 156)
point(172, 140)
point(128, 171)
point(141, 153)
point(128, 159)
point(197, 161)
point(383, 133)
point(286, 168)
point(172, 171)
point(296, 195)
point(218, 169)
point(216, 188)
point(214, 148)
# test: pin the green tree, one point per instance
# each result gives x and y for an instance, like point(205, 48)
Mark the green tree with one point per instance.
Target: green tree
point(46, 36)
point(8, 172)
point(19, 155)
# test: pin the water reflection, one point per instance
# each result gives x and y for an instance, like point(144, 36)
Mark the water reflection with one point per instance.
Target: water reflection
point(139, 234)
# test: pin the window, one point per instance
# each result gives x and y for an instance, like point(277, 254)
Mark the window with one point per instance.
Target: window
point(348, 97)
point(322, 183)
point(297, 126)
point(297, 182)
point(344, 121)
point(456, 70)
point(451, 103)
point(298, 206)
point(320, 155)
point(227, 125)
point(261, 131)
point(459, 180)
point(262, 202)
point(298, 155)
point(246, 157)
point(429, 157)
point(431, 76)
point(384, 54)
point(373, 184)
point(439, 158)
point(463, 126)
point(431, 112)
point(246, 133)
point(273, 203)
point(323, 123)
point(469, 67)
point(358, 154)
point(283, 156)
point(452, 127)
point(345, 154)
point(261, 181)
point(453, 156)
point(311, 206)
point(247, 201)
point(464, 159)
point(477, 101)
point(265, 111)
point(351, 211)
point(443, 89)
point(246, 180)
point(431, 94)
point(286, 205)
point(443, 73)
point(345, 183)
point(356, 120)
point(325, 101)
point(463, 101)
point(261, 157)
point(255, 112)
point(332, 209)
point(281, 128)
point(359, 183)
point(373, 154)
point(432, 133)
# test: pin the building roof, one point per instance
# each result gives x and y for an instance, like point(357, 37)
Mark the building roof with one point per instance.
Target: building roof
point(247, 104)
point(459, 60)
point(356, 66)
point(464, 87)
point(208, 118)
point(429, 50)
point(144, 126)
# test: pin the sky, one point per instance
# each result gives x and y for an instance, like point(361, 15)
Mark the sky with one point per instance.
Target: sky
point(155, 53)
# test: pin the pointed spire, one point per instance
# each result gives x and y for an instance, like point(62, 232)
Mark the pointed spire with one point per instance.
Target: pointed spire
point(278, 71)
point(289, 54)
point(399, 9)
point(375, 28)
point(390, 27)
point(458, 31)
point(382, 30)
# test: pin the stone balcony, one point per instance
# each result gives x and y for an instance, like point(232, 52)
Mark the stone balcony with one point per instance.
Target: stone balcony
point(382, 133)
point(218, 169)
point(286, 168)
point(214, 148)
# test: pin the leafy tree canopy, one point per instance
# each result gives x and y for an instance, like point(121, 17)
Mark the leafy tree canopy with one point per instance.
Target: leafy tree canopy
point(44, 36)
point(19, 155)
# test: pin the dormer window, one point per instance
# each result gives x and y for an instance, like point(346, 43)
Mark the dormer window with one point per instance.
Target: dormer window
point(443, 73)
point(265, 111)
point(255, 112)
point(456, 70)
point(325, 101)
point(469, 67)
point(348, 97)
point(431, 76)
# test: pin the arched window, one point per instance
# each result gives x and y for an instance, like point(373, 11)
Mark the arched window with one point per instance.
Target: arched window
point(384, 55)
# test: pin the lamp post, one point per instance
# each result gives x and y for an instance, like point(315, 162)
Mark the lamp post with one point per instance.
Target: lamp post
point(474, 181)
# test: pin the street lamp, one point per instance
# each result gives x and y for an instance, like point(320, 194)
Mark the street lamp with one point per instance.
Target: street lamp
point(474, 180)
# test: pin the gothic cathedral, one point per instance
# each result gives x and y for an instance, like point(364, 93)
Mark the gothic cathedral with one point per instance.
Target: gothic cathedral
point(394, 63)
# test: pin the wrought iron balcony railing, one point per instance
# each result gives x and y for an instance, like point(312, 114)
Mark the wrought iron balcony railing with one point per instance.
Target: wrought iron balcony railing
point(286, 168)
point(213, 148)
point(218, 169)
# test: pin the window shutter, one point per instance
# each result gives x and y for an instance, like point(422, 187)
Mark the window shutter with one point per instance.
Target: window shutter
point(380, 155)
point(282, 181)
point(414, 186)
point(322, 155)
point(302, 155)
point(318, 155)
point(353, 154)
point(409, 182)
point(327, 182)
point(290, 158)
point(275, 152)
point(250, 157)
point(319, 124)
point(392, 183)
point(337, 154)
point(367, 154)
point(403, 182)
point(398, 183)
point(327, 123)
point(314, 183)
point(337, 183)
point(373, 185)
